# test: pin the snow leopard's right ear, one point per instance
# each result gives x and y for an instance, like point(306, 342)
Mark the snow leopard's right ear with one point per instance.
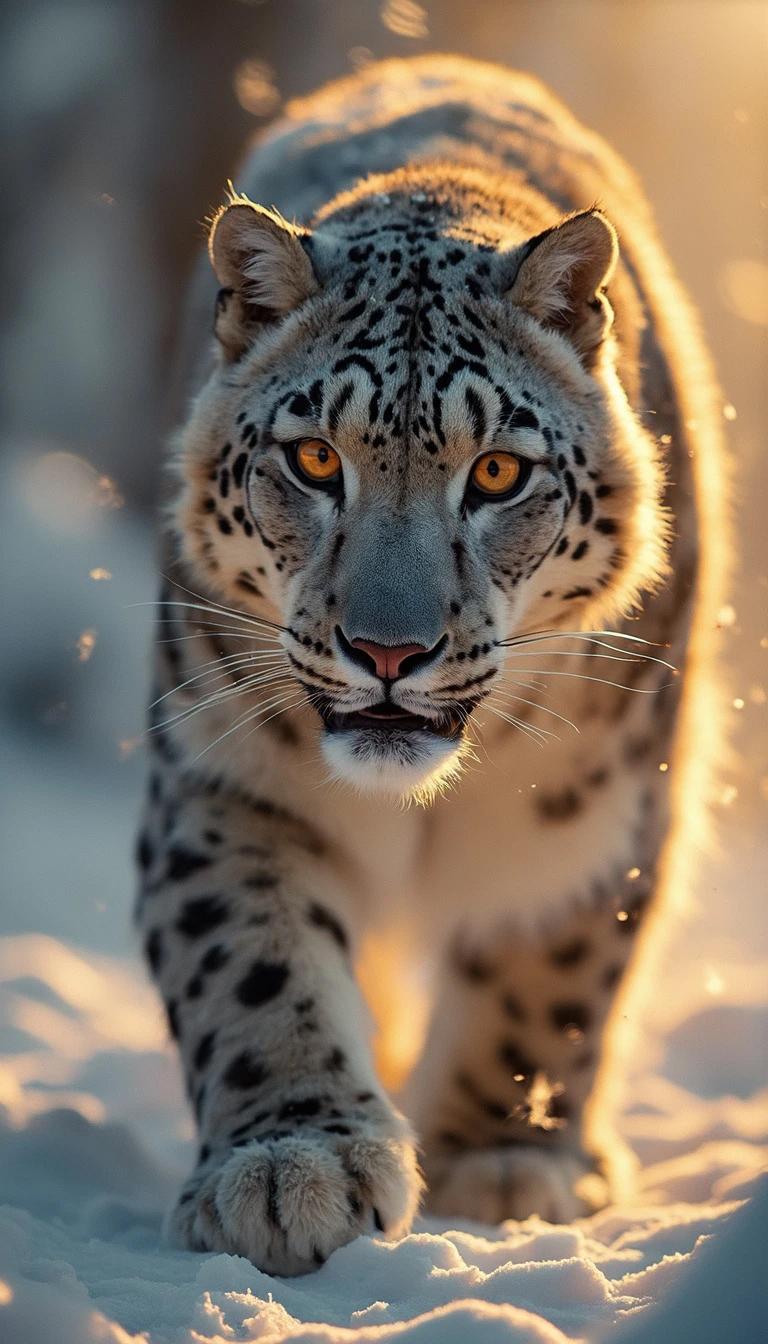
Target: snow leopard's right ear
point(262, 267)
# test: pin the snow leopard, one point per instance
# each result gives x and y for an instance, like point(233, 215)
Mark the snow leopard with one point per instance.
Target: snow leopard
point(433, 712)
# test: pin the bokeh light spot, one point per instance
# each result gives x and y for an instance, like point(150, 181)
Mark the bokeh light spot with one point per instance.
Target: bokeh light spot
point(744, 287)
point(255, 88)
point(64, 491)
point(714, 983)
point(405, 18)
point(85, 645)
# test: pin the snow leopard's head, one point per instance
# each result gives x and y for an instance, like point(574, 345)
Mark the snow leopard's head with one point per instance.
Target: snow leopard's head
point(414, 447)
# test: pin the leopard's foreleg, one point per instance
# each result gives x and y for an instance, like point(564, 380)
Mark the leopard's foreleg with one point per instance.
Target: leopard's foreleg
point(248, 929)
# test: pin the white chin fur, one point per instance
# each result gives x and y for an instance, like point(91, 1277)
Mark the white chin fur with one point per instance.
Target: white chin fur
point(392, 763)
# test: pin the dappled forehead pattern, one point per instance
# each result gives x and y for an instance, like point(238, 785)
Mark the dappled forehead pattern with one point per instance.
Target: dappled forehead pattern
point(426, 351)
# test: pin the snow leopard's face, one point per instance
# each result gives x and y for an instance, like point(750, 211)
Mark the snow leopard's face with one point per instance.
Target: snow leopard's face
point(405, 466)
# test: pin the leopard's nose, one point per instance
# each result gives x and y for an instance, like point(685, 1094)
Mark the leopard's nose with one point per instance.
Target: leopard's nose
point(389, 661)
point(387, 658)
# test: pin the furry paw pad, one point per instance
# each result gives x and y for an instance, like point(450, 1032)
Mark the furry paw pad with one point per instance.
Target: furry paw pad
point(287, 1203)
point(492, 1184)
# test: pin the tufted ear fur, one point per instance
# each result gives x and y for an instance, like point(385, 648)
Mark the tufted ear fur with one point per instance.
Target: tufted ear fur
point(561, 276)
point(262, 267)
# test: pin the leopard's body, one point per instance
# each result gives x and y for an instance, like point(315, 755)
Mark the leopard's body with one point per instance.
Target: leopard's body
point(409, 321)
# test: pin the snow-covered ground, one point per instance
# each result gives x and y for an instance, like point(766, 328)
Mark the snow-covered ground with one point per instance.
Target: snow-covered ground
point(96, 1137)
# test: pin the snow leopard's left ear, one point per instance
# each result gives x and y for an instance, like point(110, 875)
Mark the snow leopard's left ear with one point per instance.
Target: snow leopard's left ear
point(262, 267)
point(560, 278)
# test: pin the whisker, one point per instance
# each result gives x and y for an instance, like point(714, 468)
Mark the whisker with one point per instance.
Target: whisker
point(542, 637)
point(516, 723)
point(226, 612)
point(527, 685)
point(242, 722)
point(620, 685)
point(281, 682)
point(222, 666)
point(242, 656)
point(544, 709)
point(238, 687)
point(577, 653)
point(220, 605)
point(284, 710)
point(224, 693)
point(540, 732)
point(579, 634)
point(535, 727)
point(232, 661)
point(188, 715)
point(217, 625)
point(215, 630)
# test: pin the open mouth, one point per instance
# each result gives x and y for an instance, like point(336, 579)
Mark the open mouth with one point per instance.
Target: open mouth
point(388, 718)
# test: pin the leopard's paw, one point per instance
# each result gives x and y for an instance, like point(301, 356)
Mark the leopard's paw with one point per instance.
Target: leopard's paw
point(515, 1181)
point(287, 1203)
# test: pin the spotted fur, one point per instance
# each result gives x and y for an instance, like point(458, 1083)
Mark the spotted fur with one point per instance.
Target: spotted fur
point(445, 287)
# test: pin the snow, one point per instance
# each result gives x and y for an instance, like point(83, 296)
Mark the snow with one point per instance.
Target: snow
point(96, 1137)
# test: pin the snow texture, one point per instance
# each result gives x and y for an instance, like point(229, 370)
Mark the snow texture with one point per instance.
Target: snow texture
point(83, 1193)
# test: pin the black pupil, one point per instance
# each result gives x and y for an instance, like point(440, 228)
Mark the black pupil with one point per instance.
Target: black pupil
point(322, 455)
point(493, 467)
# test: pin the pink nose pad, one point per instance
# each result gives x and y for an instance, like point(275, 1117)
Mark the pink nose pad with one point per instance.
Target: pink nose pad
point(388, 658)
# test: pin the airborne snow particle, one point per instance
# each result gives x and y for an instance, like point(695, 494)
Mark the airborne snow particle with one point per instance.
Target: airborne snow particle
point(255, 88)
point(405, 18)
point(86, 644)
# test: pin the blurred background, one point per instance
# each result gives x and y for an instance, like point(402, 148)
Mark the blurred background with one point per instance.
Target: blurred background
point(122, 121)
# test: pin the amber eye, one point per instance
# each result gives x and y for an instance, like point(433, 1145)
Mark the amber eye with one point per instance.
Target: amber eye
point(317, 460)
point(495, 473)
